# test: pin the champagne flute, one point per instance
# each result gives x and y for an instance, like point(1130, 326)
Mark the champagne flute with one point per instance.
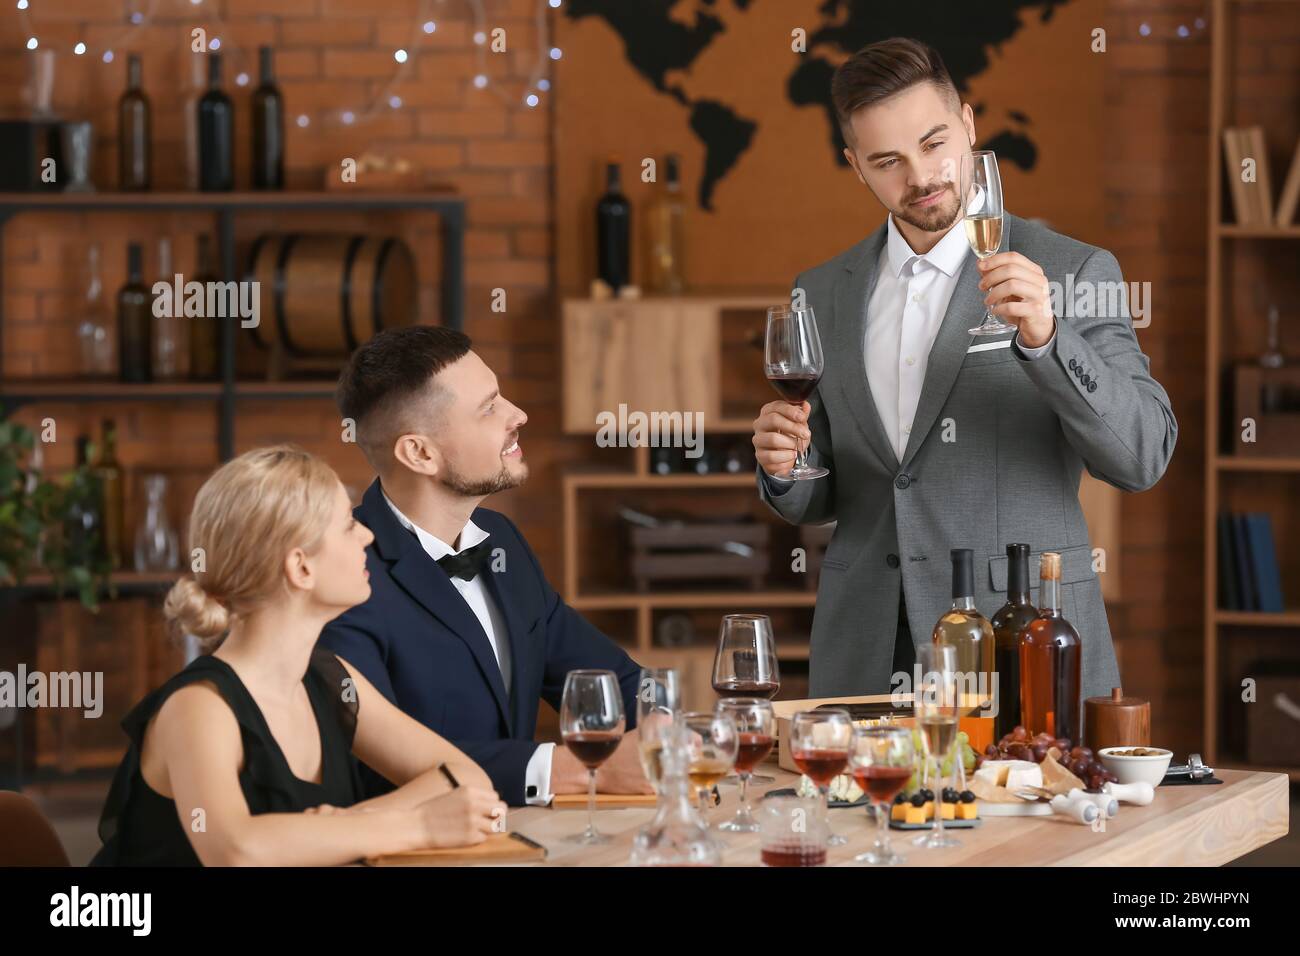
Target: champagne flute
point(881, 760)
point(713, 743)
point(658, 697)
point(819, 744)
point(981, 192)
point(936, 706)
point(744, 664)
point(591, 725)
point(756, 730)
point(793, 363)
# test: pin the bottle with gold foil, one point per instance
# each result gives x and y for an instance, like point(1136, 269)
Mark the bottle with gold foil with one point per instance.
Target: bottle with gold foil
point(109, 472)
point(1051, 657)
point(966, 629)
point(665, 243)
point(1008, 622)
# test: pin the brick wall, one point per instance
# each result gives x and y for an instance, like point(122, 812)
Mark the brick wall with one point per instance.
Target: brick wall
point(330, 56)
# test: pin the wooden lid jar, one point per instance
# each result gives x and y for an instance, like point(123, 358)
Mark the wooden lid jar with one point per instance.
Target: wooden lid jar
point(1117, 721)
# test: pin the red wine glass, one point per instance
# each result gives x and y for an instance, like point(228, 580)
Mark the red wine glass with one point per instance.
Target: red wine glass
point(819, 744)
point(591, 725)
point(881, 761)
point(793, 363)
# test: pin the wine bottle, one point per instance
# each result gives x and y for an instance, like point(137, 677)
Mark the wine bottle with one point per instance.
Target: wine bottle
point(1008, 622)
point(216, 134)
point(205, 329)
point(109, 473)
point(133, 132)
point(966, 629)
point(1050, 663)
point(268, 128)
point(613, 232)
point(81, 523)
point(168, 328)
point(666, 219)
point(134, 345)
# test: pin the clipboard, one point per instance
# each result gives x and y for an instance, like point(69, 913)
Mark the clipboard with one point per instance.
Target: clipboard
point(497, 848)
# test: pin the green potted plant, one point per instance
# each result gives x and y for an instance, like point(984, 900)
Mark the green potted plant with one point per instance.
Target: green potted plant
point(49, 525)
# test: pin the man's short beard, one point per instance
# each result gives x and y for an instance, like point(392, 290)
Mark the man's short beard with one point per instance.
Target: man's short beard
point(938, 219)
point(481, 487)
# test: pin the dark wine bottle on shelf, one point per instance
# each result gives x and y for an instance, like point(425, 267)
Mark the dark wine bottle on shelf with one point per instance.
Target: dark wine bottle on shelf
point(613, 232)
point(82, 523)
point(1008, 622)
point(1050, 663)
point(268, 128)
point(109, 473)
point(205, 330)
point(133, 132)
point(216, 134)
point(134, 326)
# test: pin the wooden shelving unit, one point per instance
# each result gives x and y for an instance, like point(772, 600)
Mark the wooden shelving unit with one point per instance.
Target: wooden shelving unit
point(224, 394)
point(693, 352)
point(1226, 474)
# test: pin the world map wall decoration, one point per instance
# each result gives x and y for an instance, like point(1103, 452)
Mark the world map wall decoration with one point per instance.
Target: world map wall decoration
point(717, 82)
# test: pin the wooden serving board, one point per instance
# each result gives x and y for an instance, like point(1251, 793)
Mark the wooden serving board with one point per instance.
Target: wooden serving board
point(497, 848)
point(604, 801)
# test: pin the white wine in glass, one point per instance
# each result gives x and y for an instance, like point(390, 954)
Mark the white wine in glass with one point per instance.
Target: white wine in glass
point(981, 189)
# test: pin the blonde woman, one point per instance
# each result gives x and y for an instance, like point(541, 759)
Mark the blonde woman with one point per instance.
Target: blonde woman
point(249, 755)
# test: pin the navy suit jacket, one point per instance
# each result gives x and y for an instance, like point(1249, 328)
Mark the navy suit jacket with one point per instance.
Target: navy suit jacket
point(419, 643)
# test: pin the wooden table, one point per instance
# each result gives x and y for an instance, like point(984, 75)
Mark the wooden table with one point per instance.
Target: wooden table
point(1184, 826)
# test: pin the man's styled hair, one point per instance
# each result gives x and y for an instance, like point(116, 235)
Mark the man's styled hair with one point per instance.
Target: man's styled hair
point(388, 385)
point(884, 69)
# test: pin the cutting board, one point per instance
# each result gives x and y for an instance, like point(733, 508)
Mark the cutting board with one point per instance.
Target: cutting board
point(497, 848)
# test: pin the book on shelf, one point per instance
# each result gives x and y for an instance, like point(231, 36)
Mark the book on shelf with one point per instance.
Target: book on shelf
point(1286, 204)
point(1249, 577)
point(1251, 200)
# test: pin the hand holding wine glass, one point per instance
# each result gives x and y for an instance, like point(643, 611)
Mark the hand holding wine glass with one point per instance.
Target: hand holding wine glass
point(793, 363)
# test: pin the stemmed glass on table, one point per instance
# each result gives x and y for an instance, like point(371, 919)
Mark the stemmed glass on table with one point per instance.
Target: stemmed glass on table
point(819, 744)
point(744, 664)
point(658, 698)
point(937, 714)
point(881, 761)
point(713, 742)
point(756, 732)
point(793, 363)
point(591, 725)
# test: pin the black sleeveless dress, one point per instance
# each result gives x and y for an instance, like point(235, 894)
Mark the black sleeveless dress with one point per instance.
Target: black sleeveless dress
point(139, 826)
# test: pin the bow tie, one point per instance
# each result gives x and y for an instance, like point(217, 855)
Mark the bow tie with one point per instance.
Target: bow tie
point(469, 562)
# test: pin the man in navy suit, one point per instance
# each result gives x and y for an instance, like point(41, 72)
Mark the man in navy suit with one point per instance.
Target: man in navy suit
point(462, 631)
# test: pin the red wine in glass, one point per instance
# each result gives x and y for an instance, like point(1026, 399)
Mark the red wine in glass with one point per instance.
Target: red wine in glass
point(882, 783)
point(592, 747)
point(820, 765)
point(752, 749)
point(765, 689)
point(794, 387)
point(794, 854)
point(793, 363)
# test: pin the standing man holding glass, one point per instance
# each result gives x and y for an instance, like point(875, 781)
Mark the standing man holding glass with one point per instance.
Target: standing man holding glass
point(935, 436)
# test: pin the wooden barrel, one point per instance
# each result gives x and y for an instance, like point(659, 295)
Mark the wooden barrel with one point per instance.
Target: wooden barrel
point(322, 295)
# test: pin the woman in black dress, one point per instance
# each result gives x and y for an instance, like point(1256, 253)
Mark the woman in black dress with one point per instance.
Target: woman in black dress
point(249, 755)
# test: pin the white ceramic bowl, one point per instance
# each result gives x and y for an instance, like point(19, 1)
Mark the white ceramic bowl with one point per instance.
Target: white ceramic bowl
point(1136, 769)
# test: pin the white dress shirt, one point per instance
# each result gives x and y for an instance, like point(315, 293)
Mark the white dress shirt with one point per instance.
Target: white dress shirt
point(904, 314)
point(537, 775)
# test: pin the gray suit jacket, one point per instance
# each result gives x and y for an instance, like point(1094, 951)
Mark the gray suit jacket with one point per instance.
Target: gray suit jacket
point(1021, 432)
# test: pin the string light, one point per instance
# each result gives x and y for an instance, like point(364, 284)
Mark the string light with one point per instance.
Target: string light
point(535, 83)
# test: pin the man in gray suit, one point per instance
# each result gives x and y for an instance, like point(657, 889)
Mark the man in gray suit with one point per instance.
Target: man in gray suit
point(936, 438)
